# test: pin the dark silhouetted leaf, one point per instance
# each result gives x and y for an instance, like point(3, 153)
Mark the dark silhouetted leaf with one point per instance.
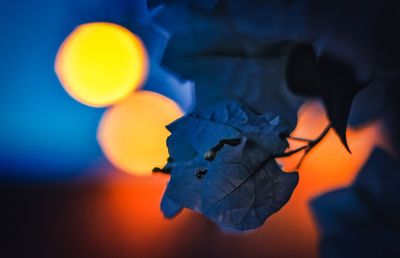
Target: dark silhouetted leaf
point(221, 46)
point(302, 71)
point(339, 84)
point(241, 185)
point(333, 79)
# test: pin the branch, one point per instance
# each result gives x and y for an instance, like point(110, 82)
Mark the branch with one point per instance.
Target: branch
point(308, 147)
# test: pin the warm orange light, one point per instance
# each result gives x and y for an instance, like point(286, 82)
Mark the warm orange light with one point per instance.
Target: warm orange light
point(122, 218)
point(329, 164)
point(130, 211)
point(101, 63)
point(327, 167)
point(132, 134)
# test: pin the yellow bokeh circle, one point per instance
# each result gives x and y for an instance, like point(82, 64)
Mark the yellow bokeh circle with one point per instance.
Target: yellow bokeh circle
point(100, 63)
point(132, 134)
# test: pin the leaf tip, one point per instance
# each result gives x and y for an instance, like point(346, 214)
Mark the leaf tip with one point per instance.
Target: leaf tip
point(343, 139)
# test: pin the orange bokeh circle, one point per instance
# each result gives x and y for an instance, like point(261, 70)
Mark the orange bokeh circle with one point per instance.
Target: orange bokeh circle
point(132, 134)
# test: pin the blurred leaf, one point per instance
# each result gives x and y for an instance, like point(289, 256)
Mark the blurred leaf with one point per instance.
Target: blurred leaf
point(227, 63)
point(347, 228)
point(377, 184)
point(236, 67)
point(362, 220)
point(241, 185)
point(225, 48)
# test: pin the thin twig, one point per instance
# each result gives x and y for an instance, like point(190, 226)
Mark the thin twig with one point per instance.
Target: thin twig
point(298, 139)
point(289, 153)
point(307, 147)
point(311, 144)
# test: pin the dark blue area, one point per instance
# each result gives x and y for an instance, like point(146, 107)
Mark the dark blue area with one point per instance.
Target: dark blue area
point(44, 133)
point(44, 130)
point(363, 219)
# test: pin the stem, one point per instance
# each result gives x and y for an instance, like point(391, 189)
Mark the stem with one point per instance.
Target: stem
point(210, 155)
point(298, 139)
point(321, 136)
point(200, 173)
point(289, 153)
point(308, 147)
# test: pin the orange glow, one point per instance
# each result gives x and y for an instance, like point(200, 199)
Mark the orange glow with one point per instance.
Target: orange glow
point(329, 163)
point(123, 217)
point(132, 134)
point(100, 63)
point(327, 167)
point(128, 217)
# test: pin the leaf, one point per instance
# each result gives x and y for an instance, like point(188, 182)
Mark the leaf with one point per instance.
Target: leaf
point(302, 71)
point(242, 185)
point(264, 19)
point(347, 228)
point(339, 85)
point(377, 182)
point(222, 48)
point(241, 196)
point(227, 64)
point(169, 207)
point(334, 80)
point(363, 220)
point(369, 104)
point(235, 67)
